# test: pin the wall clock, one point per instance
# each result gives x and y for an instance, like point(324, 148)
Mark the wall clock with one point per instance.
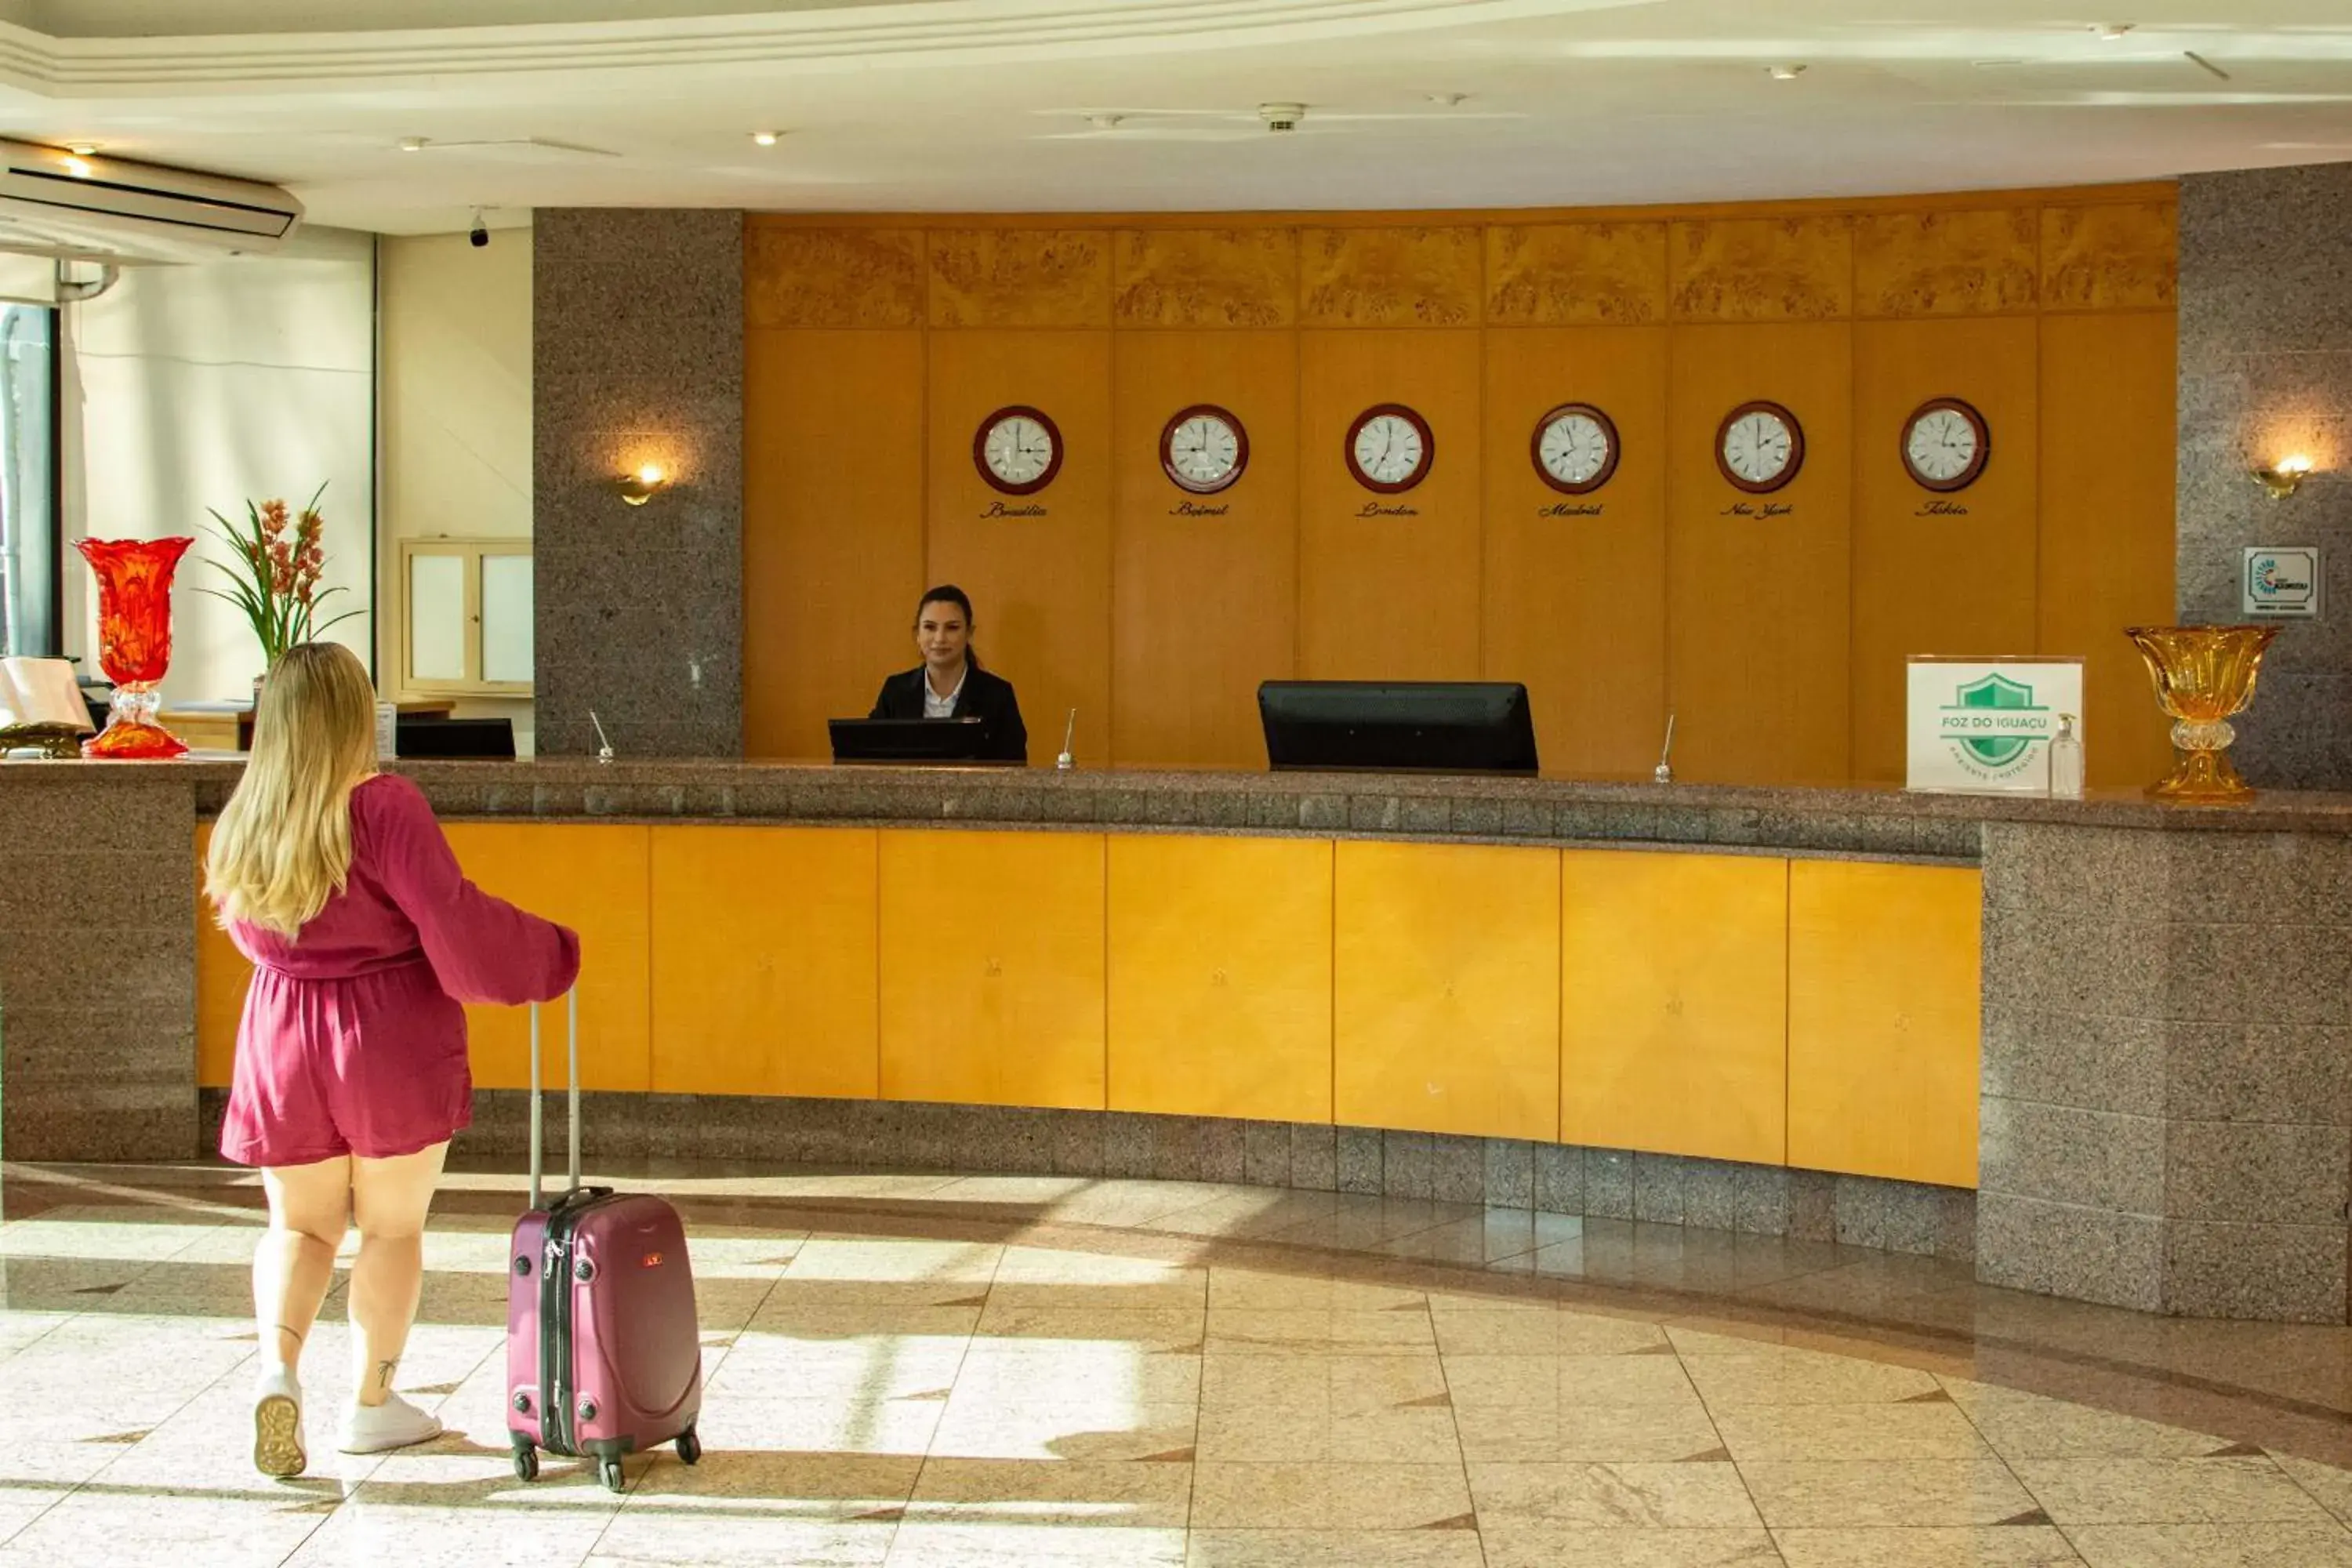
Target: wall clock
point(1945, 445)
point(1390, 448)
point(1575, 448)
point(1760, 446)
point(1018, 450)
point(1204, 448)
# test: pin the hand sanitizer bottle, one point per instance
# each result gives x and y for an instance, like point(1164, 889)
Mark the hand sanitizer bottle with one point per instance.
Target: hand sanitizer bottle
point(2065, 761)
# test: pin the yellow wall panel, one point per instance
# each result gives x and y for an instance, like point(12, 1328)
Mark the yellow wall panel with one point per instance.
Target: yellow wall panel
point(2107, 557)
point(1574, 604)
point(1946, 263)
point(1950, 573)
point(796, 277)
point(1563, 274)
point(221, 973)
point(1674, 1020)
point(1038, 566)
point(1445, 989)
point(1389, 275)
point(1757, 603)
point(1019, 278)
point(1762, 269)
point(1882, 1019)
point(1206, 586)
point(1392, 592)
point(1205, 278)
point(2110, 256)
point(763, 963)
point(591, 877)
point(840, 504)
point(1221, 976)
point(991, 968)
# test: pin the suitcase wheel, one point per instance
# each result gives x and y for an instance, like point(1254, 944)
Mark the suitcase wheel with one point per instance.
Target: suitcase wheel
point(526, 1462)
point(690, 1447)
point(608, 1470)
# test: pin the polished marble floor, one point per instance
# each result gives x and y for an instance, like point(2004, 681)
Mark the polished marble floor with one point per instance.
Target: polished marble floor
point(927, 1371)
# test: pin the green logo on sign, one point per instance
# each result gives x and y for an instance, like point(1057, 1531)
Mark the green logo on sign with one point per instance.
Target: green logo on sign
point(1995, 692)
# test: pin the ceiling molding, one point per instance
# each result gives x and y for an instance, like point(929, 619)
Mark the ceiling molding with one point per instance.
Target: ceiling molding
point(840, 38)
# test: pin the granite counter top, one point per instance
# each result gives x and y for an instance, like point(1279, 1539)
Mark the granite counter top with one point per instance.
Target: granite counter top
point(1870, 819)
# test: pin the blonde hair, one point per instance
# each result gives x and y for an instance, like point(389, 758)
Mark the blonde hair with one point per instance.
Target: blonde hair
point(283, 845)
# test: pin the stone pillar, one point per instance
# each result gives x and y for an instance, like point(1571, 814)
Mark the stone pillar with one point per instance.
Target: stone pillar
point(2167, 1069)
point(637, 357)
point(98, 962)
point(2265, 370)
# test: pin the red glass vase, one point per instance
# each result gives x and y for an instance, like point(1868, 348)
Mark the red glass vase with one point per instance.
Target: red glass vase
point(134, 640)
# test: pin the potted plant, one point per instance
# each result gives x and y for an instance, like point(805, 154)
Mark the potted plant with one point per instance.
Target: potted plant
point(274, 576)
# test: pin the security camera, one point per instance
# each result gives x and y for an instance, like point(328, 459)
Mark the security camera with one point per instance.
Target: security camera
point(479, 236)
point(1281, 116)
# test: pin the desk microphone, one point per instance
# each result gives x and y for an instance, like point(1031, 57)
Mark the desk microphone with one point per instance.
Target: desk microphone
point(604, 746)
point(1066, 761)
point(1663, 772)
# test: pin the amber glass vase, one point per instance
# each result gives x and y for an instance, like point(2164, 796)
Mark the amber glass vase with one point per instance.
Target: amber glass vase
point(135, 641)
point(2203, 675)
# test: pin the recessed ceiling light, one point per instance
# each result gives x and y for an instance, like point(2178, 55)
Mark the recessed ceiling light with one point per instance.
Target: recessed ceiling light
point(1787, 73)
point(2110, 31)
point(412, 143)
point(1105, 122)
point(2005, 60)
point(1448, 99)
point(766, 137)
point(81, 149)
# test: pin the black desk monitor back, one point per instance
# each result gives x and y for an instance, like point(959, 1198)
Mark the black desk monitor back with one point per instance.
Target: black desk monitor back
point(908, 740)
point(1398, 726)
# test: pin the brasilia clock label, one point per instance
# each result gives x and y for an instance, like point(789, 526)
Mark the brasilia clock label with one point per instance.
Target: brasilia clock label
point(1984, 725)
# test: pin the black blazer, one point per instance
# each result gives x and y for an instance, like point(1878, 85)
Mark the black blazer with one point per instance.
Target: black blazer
point(985, 697)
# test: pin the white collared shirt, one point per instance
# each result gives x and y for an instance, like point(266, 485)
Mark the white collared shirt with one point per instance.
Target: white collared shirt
point(938, 707)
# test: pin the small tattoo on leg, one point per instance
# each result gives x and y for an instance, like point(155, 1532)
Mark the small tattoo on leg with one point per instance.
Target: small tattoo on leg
point(384, 1370)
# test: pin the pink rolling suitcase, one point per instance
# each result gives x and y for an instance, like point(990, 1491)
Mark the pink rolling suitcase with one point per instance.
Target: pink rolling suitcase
point(603, 1353)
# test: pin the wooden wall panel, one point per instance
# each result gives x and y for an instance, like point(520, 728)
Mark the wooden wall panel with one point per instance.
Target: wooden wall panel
point(1575, 603)
point(1564, 274)
point(1445, 989)
point(592, 876)
point(833, 528)
point(222, 976)
point(1037, 567)
point(1221, 976)
point(1392, 593)
point(2110, 256)
point(762, 961)
point(832, 278)
point(1760, 269)
point(1883, 1019)
point(1938, 574)
point(1205, 587)
point(1674, 1004)
point(991, 968)
point(2107, 552)
point(1205, 278)
point(1019, 278)
point(1946, 263)
point(1757, 613)
point(1389, 275)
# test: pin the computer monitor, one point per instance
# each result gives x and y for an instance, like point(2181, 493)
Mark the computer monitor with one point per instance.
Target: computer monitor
point(1398, 726)
point(438, 736)
point(910, 739)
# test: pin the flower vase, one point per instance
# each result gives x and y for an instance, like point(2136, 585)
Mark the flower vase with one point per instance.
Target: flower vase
point(2203, 675)
point(135, 641)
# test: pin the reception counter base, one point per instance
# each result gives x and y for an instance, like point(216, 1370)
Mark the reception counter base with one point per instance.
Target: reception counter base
point(1665, 1190)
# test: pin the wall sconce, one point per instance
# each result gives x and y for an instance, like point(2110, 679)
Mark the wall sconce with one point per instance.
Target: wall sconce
point(642, 486)
point(2282, 477)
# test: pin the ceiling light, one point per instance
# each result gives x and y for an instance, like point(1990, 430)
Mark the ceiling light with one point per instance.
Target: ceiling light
point(1448, 99)
point(412, 143)
point(2109, 32)
point(1787, 73)
point(1105, 122)
point(81, 149)
point(766, 137)
point(1993, 64)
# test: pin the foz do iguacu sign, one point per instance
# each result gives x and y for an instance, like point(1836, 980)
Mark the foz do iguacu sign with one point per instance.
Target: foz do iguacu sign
point(1983, 725)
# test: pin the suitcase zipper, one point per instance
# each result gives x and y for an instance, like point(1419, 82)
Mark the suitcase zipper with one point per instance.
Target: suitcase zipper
point(555, 1335)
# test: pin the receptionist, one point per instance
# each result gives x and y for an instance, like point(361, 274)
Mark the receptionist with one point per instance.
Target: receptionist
point(950, 683)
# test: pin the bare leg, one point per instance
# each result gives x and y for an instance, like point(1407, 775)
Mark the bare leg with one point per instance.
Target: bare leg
point(389, 1199)
point(310, 1206)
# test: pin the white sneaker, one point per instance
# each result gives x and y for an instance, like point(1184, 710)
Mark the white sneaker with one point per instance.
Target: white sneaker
point(395, 1424)
point(277, 1424)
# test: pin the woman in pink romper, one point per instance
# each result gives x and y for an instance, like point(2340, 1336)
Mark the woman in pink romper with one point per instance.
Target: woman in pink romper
point(350, 1074)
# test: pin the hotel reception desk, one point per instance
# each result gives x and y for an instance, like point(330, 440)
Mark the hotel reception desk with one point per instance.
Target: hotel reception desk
point(2103, 1048)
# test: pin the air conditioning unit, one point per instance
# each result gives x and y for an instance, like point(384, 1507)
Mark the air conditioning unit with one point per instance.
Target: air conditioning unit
point(69, 205)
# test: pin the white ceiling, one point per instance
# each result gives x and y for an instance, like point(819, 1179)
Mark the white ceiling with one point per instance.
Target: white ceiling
point(973, 105)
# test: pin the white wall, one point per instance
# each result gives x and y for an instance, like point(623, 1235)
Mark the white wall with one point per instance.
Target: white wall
point(197, 386)
point(454, 351)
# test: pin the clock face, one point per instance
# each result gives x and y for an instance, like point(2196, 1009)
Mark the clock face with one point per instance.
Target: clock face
point(1390, 448)
point(1018, 450)
point(1945, 445)
point(1204, 449)
point(1576, 449)
point(1760, 446)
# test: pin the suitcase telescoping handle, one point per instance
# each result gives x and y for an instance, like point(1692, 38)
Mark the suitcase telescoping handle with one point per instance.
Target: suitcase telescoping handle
point(571, 1079)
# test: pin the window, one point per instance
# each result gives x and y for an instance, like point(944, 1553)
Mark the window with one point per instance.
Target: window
point(29, 579)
